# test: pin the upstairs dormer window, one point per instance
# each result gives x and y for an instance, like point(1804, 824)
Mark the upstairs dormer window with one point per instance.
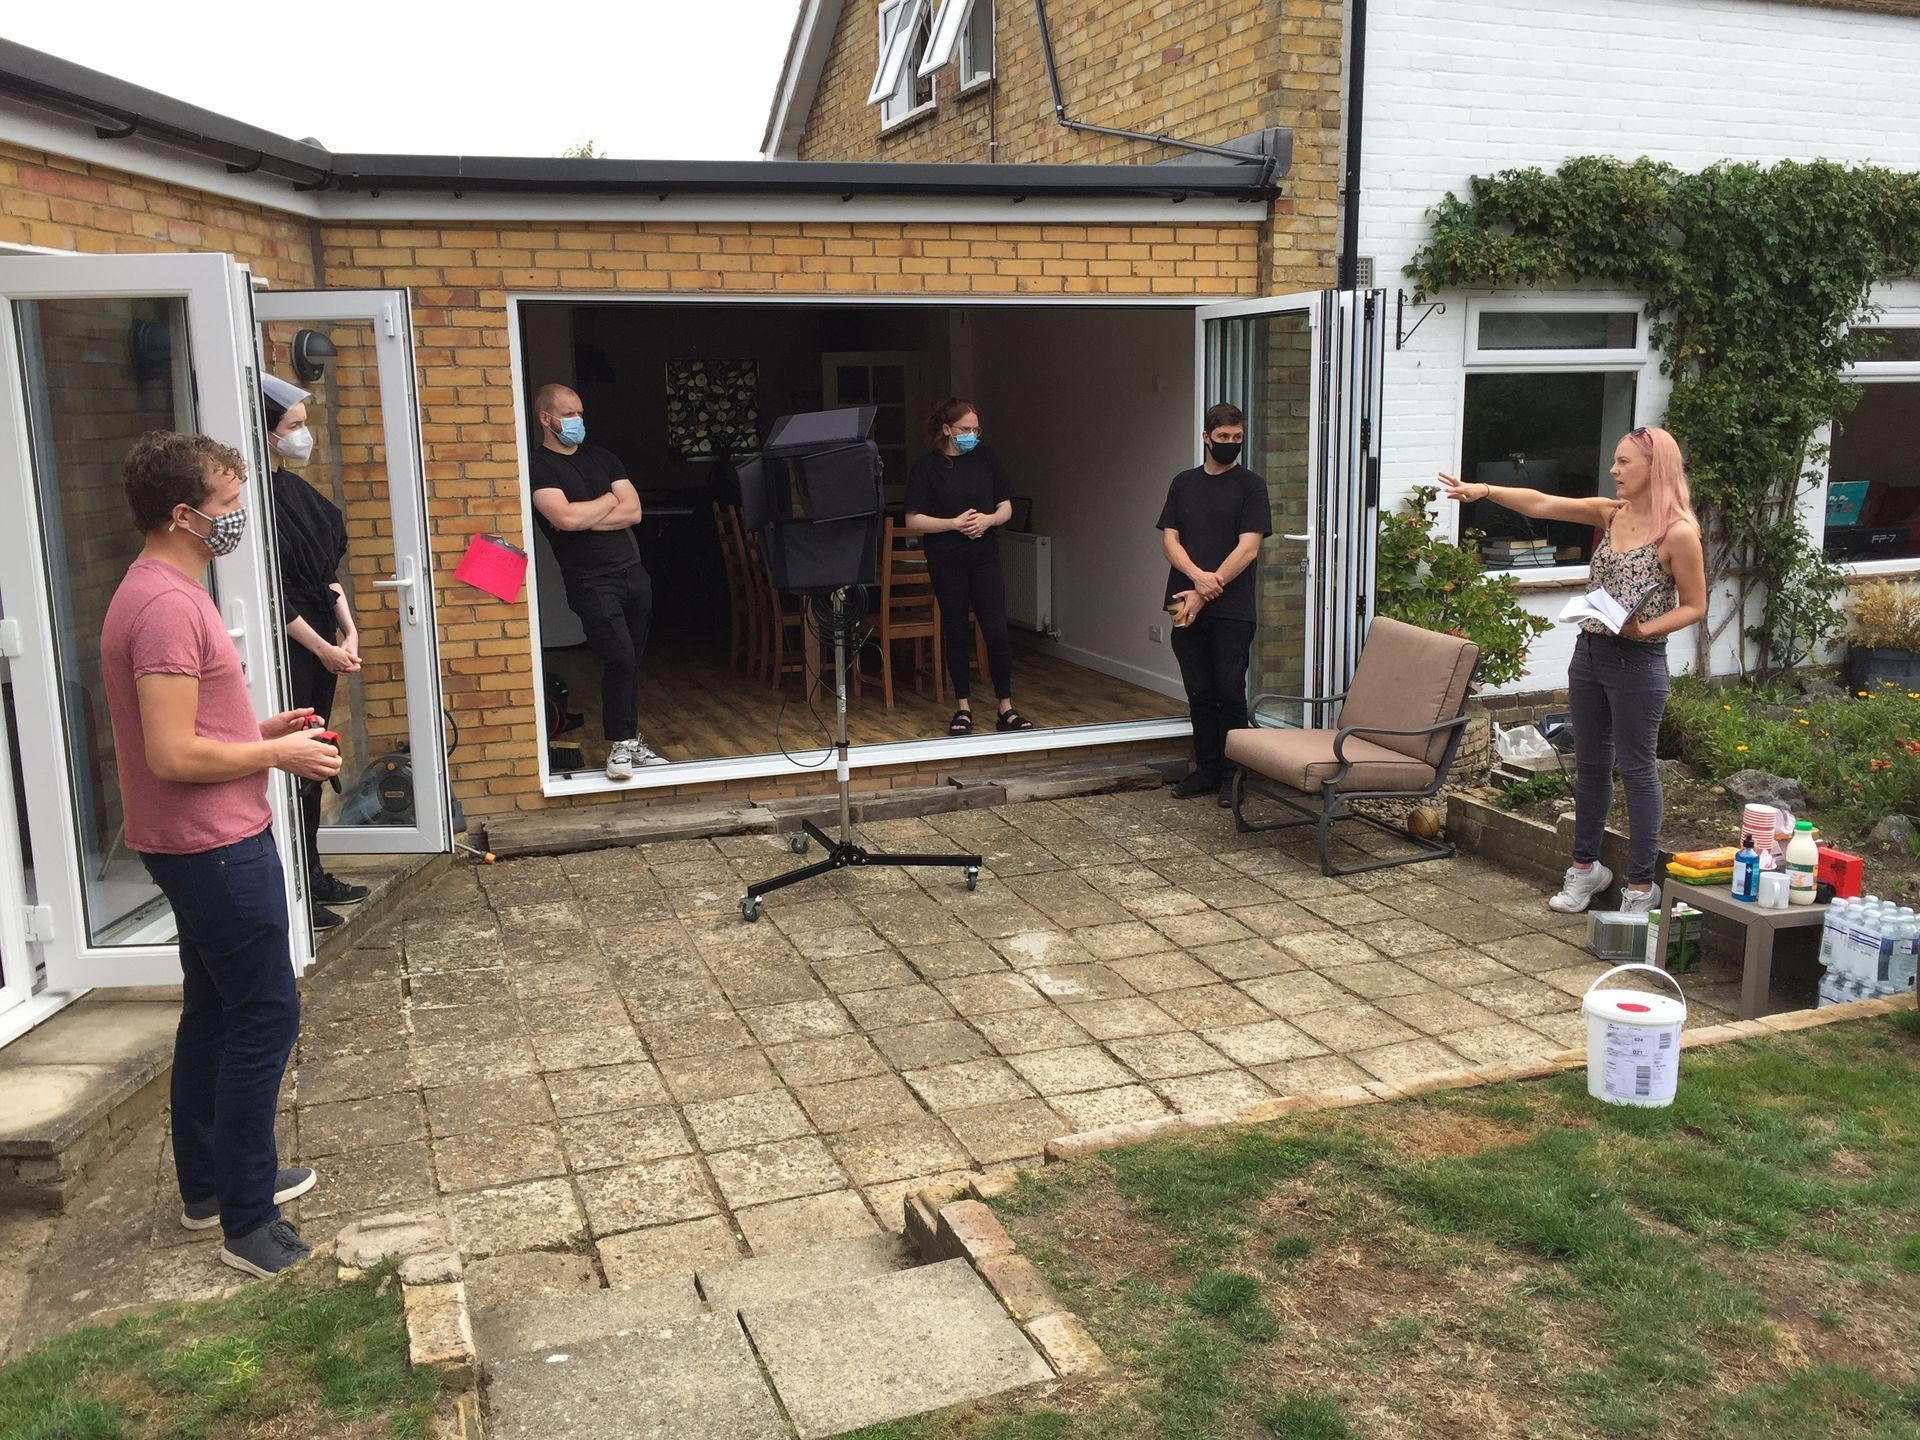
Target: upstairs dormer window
point(900, 88)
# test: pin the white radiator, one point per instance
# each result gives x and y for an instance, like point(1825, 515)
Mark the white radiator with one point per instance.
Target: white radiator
point(1028, 560)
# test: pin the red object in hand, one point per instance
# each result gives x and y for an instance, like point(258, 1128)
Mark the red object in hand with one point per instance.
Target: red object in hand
point(1846, 873)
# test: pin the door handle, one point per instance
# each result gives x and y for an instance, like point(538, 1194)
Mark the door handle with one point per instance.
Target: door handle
point(237, 629)
point(1302, 538)
point(403, 581)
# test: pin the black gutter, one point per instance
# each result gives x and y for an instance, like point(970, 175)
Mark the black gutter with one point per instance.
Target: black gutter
point(118, 110)
point(1269, 165)
point(1348, 275)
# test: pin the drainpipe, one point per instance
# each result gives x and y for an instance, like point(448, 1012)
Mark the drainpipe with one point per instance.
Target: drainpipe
point(1349, 272)
point(1269, 164)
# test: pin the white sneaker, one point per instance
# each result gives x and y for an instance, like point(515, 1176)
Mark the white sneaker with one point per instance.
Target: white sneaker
point(1579, 887)
point(644, 754)
point(1639, 902)
point(620, 760)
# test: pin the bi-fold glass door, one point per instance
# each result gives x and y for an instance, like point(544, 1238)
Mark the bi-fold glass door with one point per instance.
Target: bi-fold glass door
point(1306, 371)
point(94, 352)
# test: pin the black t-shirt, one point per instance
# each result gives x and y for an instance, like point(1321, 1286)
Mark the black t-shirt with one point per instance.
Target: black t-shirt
point(945, 486)
point(1211, 513)
point(587, 474)
point(310, 539)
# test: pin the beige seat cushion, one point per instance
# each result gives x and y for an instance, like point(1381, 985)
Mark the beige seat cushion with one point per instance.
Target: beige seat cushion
point(1304, 760)
point(1409, 677)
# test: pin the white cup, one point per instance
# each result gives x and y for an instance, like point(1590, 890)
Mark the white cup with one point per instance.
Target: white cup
point(1773, 890)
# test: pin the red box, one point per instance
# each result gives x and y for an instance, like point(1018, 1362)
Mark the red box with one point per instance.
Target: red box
point(1846, 873)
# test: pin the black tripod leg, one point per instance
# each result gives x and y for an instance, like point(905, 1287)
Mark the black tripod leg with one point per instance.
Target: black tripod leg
point(958, 862)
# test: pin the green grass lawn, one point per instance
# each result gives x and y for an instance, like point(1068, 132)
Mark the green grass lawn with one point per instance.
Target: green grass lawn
point(297, 1357)
point(1517, 1261)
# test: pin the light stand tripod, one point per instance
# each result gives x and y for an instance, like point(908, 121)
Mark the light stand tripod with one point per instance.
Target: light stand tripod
point(842, 853)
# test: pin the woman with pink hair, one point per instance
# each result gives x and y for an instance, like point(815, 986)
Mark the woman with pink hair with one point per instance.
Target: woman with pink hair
point(1650, 560)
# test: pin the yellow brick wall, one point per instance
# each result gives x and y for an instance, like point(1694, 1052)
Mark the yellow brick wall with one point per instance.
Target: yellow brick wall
point(1208, 73)
point(68, 205)
point(460, 279)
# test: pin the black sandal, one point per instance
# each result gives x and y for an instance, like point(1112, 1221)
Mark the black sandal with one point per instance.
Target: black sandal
point(1012, 720)
point(961, 723)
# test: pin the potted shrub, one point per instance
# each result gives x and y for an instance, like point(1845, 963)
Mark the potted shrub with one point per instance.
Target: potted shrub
point(1883, 638)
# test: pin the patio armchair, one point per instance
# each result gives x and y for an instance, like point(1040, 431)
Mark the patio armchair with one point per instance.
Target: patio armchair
point(1399, 728)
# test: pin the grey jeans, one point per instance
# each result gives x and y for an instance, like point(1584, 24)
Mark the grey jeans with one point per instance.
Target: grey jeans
point(1617, 690)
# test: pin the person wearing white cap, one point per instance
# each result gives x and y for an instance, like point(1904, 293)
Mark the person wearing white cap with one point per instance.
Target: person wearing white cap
point(310, 540)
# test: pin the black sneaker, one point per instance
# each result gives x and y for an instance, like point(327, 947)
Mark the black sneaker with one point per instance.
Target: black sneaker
point(329, 891)
point(1198, 783)
point(325, 919)
point(271, 1250)
point(288, 1184)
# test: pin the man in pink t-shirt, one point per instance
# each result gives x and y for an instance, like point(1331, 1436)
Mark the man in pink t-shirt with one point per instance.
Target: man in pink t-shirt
point(193, 766)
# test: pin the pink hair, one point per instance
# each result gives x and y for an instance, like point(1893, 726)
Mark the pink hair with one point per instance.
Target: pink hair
point(1667, 474)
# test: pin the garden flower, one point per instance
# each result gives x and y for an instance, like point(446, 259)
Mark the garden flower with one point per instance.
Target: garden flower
point(1806, 722)
point(1741, 748)
point(1726, 707)
point(1879, 764)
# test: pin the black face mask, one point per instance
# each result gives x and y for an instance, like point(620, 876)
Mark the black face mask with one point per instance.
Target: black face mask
point(1223, 454)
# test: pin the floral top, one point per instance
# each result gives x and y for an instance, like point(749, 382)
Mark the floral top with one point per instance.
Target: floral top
point(1628, 574)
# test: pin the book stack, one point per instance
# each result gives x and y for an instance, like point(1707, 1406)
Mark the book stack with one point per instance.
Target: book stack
point(1516, 554)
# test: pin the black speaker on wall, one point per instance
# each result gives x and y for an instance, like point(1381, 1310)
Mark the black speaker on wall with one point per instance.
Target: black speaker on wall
point(813, 497)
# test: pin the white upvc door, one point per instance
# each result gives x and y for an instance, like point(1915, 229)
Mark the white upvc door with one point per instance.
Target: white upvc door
point(95, 350)
point(367, 459)
point(1305, 370)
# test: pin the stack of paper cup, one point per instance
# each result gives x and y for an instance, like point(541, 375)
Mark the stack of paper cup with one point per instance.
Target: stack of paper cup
point(1761, 822)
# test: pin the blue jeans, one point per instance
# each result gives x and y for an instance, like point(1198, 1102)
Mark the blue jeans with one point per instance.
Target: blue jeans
point(1617, 691)
point(239, 1017)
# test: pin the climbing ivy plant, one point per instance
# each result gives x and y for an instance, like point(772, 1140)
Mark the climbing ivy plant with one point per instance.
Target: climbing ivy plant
point(1756, 279)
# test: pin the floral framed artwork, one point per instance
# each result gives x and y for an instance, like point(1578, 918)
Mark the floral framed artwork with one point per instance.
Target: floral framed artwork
point(713, 407)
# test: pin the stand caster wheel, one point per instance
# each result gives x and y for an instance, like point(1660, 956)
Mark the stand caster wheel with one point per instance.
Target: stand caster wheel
point(750, 908)
point(973, 877)
point(798, 843)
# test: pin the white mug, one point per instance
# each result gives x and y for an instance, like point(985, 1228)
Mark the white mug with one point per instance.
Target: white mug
point(1773, 890)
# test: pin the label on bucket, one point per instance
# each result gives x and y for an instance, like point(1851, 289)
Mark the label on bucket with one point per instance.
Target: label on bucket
point(1641, 1062)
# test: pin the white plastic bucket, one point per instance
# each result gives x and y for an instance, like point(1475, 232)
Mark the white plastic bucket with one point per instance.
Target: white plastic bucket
point(1633, 1041)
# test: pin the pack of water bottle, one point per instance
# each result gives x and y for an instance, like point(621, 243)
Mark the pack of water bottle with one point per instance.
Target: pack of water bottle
point(1870, 948)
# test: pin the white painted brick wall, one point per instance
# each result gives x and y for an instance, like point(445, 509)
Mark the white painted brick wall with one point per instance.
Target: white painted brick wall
point(1457, 88)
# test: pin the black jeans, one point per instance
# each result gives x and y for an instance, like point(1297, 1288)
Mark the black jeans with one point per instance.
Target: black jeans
point(616, 611)
point(239, 1017)
point(969, 584)
point(311, 683)
point(1617, 691)
point(1213, 653)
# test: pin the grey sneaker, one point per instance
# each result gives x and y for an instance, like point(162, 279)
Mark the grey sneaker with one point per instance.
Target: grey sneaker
point(1639, 902)
point(620, 760)
point(289, 1184)
point(1579, 887)
point(275, 1247)
point(644, 754)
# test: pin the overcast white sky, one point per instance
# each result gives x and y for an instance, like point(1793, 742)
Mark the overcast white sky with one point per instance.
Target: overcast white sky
point(644, 79)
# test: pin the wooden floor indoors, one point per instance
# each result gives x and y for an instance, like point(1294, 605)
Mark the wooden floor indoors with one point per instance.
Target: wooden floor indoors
point(696, 707)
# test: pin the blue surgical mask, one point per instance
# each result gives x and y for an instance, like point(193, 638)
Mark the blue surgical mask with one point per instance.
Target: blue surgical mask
point(964, 443)
point(572, 431)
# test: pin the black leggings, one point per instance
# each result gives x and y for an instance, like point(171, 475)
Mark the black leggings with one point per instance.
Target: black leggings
point(310, 683)
point(616, 611)
point(970, 585)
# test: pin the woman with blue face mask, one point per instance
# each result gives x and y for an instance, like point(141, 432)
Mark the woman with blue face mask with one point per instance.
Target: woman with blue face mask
point(957, 496)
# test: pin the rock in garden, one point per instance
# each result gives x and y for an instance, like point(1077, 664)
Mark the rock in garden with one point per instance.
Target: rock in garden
point(1821, 688)
point(1672, 772)
point(1896, 831)
point(1758, 787)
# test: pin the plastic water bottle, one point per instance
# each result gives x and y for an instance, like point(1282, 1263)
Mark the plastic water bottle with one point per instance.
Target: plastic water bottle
point(1833, 933)
point(1906, 960)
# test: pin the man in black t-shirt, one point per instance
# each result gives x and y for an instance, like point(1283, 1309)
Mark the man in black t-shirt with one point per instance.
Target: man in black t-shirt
point(588, 507)
point(1210, 529)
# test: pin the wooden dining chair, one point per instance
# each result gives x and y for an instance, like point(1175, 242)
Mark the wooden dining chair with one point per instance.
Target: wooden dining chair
point(784, 634)
point(739, 605)
point(907, 611)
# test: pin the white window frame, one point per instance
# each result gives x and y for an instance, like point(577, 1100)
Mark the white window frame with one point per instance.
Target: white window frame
point(1607, 358)
point(974, 75)
point(952, 35)
point(1869, 372)
point(1634, 360)
point(898, 22)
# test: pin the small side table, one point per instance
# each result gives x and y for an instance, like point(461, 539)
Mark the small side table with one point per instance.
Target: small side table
point(1761, 926)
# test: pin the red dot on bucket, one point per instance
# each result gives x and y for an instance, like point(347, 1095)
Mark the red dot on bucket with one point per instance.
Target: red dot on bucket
point(1635, 1006)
